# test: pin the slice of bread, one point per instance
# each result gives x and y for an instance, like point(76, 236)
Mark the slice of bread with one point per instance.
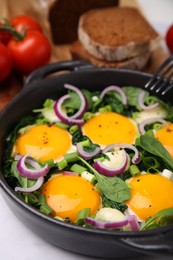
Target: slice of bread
point(135, 63)
point(116, 34)
point(64, 16)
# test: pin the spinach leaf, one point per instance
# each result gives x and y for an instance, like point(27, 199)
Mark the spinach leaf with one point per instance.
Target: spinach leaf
point(74, 100)
point(114, 205)
point(152, 221)
point(113, 188)
point(132, 96)
point(153, 146)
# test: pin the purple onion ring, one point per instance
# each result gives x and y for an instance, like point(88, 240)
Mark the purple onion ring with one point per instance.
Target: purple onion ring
point(36, 186)
point(106, 224)
point(117, 89)
point(34, 173)
point(150, 121)
point(87, 155)
point(111, 172)
point(141, 102)
point(77, 117)
point(136, 157)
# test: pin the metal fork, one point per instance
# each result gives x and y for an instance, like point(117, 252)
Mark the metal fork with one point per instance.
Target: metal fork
point(162, 80)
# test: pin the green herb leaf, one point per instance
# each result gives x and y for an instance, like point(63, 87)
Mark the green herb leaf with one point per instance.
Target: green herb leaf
point(153, 146)
point(113, 188)
point(163, 213)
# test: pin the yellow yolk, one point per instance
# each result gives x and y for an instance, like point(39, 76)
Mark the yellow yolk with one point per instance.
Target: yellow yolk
point(150, 193)
point(109, 127)
point(44, 142)
point(165, 136)
point(67, 195)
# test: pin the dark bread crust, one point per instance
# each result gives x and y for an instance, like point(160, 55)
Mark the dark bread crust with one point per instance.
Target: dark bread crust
point(64, 16)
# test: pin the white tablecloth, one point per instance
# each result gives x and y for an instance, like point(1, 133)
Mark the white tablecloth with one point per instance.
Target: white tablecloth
point(16, 241)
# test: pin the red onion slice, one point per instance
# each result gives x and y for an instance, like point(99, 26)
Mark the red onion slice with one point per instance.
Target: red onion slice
point(141, 102)
point(76, 118)
point(133, 223)
point(110, 172)
point(150, 121)
point(34, 173)
point(117, 89)
point(106, 224)
point(83, 106)
point(62, 116)
point(87, 155)
point(35, 187)
point(136, 157)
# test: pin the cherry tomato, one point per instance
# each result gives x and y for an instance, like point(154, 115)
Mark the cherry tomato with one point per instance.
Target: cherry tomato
point(169, 38)
point(30, 53)
point(4, 35)
point(24, 22)
point(5, 62)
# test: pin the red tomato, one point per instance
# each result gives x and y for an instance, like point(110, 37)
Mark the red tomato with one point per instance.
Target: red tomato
point(169, 38)
point(4, 35)
point(24, 22)
point(30, 53)
point(5, 62)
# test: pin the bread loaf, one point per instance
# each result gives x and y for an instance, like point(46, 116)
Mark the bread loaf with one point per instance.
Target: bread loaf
point(116, 34)
point(134, 63)
point(64, 16)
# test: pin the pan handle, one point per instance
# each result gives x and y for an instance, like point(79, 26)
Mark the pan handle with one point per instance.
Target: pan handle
point(158, 244)
point(56, 67)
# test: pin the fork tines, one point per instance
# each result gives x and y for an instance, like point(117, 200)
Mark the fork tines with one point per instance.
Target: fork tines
point(162, 81)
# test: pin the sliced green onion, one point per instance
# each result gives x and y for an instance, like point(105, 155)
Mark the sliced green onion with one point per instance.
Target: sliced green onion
point(99, 159)
point(134, 170)
point(85, 143)
point(77, 168)
point(88, 176)
point(44, 208)
point(87, 116)
point(73, 129)
point(49, 162)
point(62, 164)
point(71, 157)
point(105, 109)
point(82, 215)
point(62, 125)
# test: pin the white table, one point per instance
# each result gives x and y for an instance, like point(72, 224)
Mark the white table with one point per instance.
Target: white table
point(16, 241)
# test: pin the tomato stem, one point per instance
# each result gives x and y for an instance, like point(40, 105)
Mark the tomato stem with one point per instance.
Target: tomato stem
point(7, 27)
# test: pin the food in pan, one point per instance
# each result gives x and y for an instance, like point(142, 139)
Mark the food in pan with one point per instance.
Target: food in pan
point(100, 159)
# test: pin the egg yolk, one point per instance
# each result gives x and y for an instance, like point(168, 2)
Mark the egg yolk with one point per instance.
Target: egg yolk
point(44, 142)
point(150, 193)
point(109, 127)
point(67, 195)
point(165, 136)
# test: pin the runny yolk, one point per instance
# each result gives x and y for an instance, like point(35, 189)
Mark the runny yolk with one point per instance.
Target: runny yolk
point(165, 136)
point(109, 127)
point(44, 142)
point(150, 193)
point(67, 195)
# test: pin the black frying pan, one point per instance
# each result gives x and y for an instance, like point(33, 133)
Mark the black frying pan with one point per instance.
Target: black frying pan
point(97, 243)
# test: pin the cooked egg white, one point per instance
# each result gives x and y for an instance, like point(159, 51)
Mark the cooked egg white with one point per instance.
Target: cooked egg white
point(116, 159)
point(67, 195)
point(150, 193)
point(109, 127)
point(44, 142)
point(158, 112)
